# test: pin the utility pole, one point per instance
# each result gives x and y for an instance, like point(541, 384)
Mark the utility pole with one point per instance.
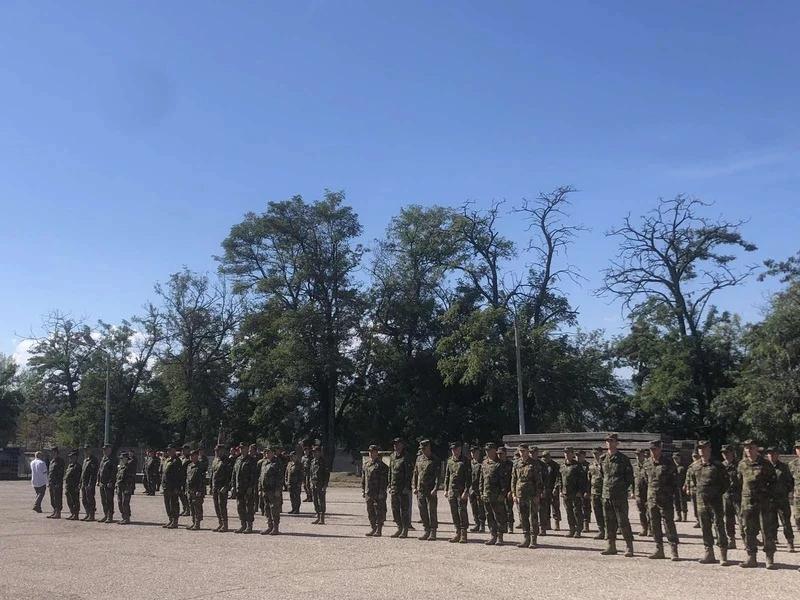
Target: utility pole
point(520, 396)
point(108, 398)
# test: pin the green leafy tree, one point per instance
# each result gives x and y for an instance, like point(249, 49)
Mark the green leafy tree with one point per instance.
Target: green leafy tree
point(11, 399)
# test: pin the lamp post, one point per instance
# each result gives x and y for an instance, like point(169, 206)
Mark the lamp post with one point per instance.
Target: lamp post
point(108, 399)
point(520, 396)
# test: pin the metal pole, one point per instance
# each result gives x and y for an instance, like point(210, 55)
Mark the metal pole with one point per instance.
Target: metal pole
point(108, 397)
point(520, 397)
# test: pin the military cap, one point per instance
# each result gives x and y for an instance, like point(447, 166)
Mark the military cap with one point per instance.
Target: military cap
point(293, 453)
point(373, 448)
point(54, 449)
point(455, 445)
point(569, 449)
point(797, 444)
point(252, 447)
point(317, 442)
point(424, 443)
point(546, 453)
point(703, 444)
point(123, 455)
point(641, 451)
point(73, 453)
point(655, 444)
point(598, 449)
point(534, 448)
point(220, 447)
point(317, 447)
point(501, 448)
point(612, 436)
point(773, 450)
point(523, 447)
point(106, 446)
point(475, 449)
point(490, 446)
point(726, 448)
point(242, 444)
point(750, 442)
point(581, 453)
point(195, 451)
point(186, 447)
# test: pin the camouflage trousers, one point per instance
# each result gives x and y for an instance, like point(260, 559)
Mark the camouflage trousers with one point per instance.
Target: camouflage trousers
point(428, 504)
point(124, 503)
point(573, 505)
point(681, 501)
point(458, 510)
point(319, 496)
point(711, 515)
point(545, 511)
point(587, 510)
point(615, 513)
point(220, 496)
point(529, 514)
point(641, 505)
point(731, 507)
point(376, 510)
point(510, 513)
point(658, 513)
point(307, 486)
point(294, 496)
point(57, 497)
point(87, 494)
point(759, 515)
point(196, 507)
point(107, 499)
point(797, 511)
point(784, 512)
point(246, 506)
point(694, 507)
point(478, 511)
point(495, 507)
point(597, 507)
point(273, 504)
point(171, 505)
point(73, 500)
point(400, 509)
point(555, 506)
point(185, 502)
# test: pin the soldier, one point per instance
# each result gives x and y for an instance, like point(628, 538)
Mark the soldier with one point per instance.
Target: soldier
point(425, 483)
point(320, 476)
point(784, 486)
point(55, 481)
point(662, 478)
point(220, 475)
point(732, 500)
point(551, 503)
point(195, 488)
point(270, 484)
point(106, 480)
point(88, 483)
point(681, 496)
point(640, 489)
point(596, 492)
point(506, 470)
point(133, 464)
point(202, 460)
point(710, 481)
point(245, 482)
point(794, 467)
point(374, 483)
point(526, 490)
point(493, 494)
point(692, 493)
point(617, 480)
point(149, 471)
point(294, 482)
point(457, 483)
point(306, 462)
point(126, 478)
point(587, 500)
point(172, 483)
point(478, 512)
point(572, 484)
point(757, 481)
point(72, 485)
point(186, 507)
point(401, 473)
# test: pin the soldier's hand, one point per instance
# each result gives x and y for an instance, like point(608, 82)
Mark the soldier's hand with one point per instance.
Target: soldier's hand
point(433, 493)
point(464, 496)
point(363, 495)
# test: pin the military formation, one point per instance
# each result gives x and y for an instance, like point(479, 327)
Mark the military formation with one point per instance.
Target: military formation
point(744, 500)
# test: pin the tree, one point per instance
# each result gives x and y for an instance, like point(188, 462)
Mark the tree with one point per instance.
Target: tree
point(10, 399)
point(669, 266)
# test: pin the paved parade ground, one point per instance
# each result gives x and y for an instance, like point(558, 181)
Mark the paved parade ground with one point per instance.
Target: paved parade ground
point(66, 560)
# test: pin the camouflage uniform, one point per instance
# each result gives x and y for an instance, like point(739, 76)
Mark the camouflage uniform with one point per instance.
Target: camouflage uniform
point(710, 481)
point(401, 471)
point(55, 482)
point(195, 492)
point(478, 512)
point(527, 488)
point(662, 477)
point(72, 485)
point(757, 481)
point(732, 504)
point(493, 494)
point(152, 469)
point(551, 503)
point(681, 495)
point(88, 483)
point(245, 481)
point(172, 482)
point(220, 483)
point(294, 483)
point(587, 501)
point(305, 461)
point(270, 484)
point(320, 476)
point(640, 492)
point(457, 482)
point(617, 481)
point(374, 483)
point(794, 467)
point(106, 479)
point(572, 484)
point(126, 479)
point(425, 483)
point(596, 497)
point(506, 469)
point(784, 486)
point(186, 506)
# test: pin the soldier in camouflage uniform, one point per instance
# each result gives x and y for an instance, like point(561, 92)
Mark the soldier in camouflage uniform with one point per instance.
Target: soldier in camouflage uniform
point(732, 500)
point(784, 486)
point(401, 472)
point(507, 467)
point(661, 481)
point(88, 483)
point(220, 476)
point(794, 467)
point(55, 483)
point(572, 484)
point(457, 482)
point(126, 479)
point(270, 484)
point(320, 476)
point(195, 488)
point(374, 484)
point(72, 486)
point(617, 480)
point(106, 480)
point(526, 490)
point(692, 493)
point(587, 500)
point(425, 483)
point(478, 512)
point(494, 495)
point(710, 481)
point(596, 492)
point(152, 472)
point(551, 502)
point(681, 497)
point(544, 471)
point(757, 481)
point(305, 461)
point(184, 498)
point(245, 483)
point(640, 489)
point(172, 482)
point(294, 482)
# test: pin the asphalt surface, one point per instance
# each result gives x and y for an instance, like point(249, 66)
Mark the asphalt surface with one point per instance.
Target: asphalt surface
point(66, 560)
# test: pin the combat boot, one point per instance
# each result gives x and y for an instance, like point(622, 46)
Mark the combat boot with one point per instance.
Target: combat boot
point(723, 557)
point(173, 524)
point(371, 531)
point(51, 515)
point(476, 529)
point(91, 517)
point(526, 542)
point(322, 518)
point(483, 527)
point(558, 525)
point(644, 532)
point(492, 541)
point(104, 519)
point(601, 535)
point(242, 528)
point(708, 557)
point(750, 563)
point(125, 521)
point(731, 544)
point(463, 539)
point(586, 527)
point(533, 542)
point(790, 543)
point(432, 537)
point(378, 531)
point(499, 539)
point(224, 528)
point(611, 548)
point(678, 518)
point(85, 517)
point(685, 517)
point(770, 562)
point(110, 518)
point(57, 515)
point(404, 533)
point(456, 538)
point(578, 532)
point(218, 527)
point(397, 533)
point(249, 528)
point(316, 521)
point(659, 553)
point(570, 534)
point(510, 528)
point(675, 556)
point(268, 530)
point(276, 530)
point(629, 551)
point(424, 537)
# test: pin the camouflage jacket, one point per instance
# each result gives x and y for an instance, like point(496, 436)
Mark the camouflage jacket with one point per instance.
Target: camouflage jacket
point(401, 471)
point(475, 465)
point(152, 466)
point(320, 475)
point(550, 475)
point(585, 467)
point(680, 469)
point(733, 478)
point(185, 462)
point(375, 479)
point(107, 472)
point(526, 479)
point(245, 475)
point(639, 478)
point(572, 480)
point(457, 476)
point(55, 475)
point(427, 474)
point(784, 482)
point(596, 478)
point(617, 476)
point(662, 481)
point(708, 480)
point(492, 483)
point(195, 480)
point(126, 478)
point(89, 471)
point(794, 467)
point(305, 462)
point(506, 474)
point(72, 476)
point(294, 473)
point(270, 476)
point(173, 479)
point(756, 480)
point(220, 474)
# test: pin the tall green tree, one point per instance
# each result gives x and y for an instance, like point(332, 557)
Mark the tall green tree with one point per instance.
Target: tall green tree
point(11, 399)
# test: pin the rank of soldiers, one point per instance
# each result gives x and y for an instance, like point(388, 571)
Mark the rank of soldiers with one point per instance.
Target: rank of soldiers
point(730, 500)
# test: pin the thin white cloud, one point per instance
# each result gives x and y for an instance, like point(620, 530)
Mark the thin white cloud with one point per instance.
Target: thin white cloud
point(21, 353)
point(731, 166)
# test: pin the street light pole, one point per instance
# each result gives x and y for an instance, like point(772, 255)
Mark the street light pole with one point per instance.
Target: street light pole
point(108, 398)
point(520, 396)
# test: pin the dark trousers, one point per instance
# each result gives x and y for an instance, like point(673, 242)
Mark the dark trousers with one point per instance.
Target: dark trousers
point(712, 520)
point(107, 499)
point(73, 500)
point(733, 525)
point(555, 506)
point(587, 510)
point(681, 501)
point(376, 510)
point(665, 513)
point(273, 504)
point(458, 510)
point(694, 507)
point(478, 512)
point(307, 487)
point(400, 512)
point(759, 515)
point(89, 503)
point(196, 508)
point(57, 497)
point(428, 506)
point(171, 505)
point(221, 504)
point(37, 505)
point(510, 512)
point(544, 511)
point(246, 506)
point(529, 514)
point(294, 497)
point(185, 507)
point(573, 505)
point(318, 495)
point(495, 506)
point(615, 513)
point(124, 503)
point(641, 505)
point(597, 507)
point(785, 518)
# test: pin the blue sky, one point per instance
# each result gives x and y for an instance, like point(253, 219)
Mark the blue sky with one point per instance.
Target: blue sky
point(135, 134)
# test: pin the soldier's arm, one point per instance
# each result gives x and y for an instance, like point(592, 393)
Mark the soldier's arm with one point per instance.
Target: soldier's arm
point(514, 479)
point(363, 479)
point(414, 480)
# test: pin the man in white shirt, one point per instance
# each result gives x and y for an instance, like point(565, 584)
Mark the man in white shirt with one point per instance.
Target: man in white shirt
point(39, 480)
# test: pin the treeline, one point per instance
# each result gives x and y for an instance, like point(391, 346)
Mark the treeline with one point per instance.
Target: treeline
point(305, 332)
